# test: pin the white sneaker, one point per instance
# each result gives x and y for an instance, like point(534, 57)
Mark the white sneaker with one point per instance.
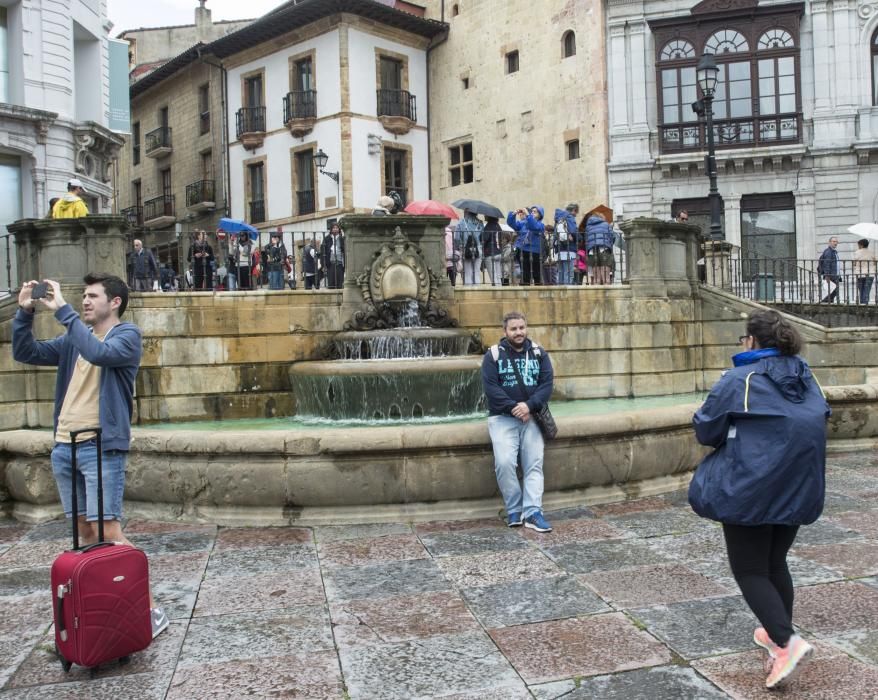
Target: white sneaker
point(159, 620)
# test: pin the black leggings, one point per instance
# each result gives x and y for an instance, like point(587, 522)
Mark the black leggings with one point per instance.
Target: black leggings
point(758, 558)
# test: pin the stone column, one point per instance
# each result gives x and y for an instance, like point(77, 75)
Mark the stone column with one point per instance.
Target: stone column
point(662, 258)
point(65, 250)
point(718, 263)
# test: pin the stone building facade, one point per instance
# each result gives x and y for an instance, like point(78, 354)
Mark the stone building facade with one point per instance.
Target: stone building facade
point(795, 109)
point(518, 95)
point(54, 108)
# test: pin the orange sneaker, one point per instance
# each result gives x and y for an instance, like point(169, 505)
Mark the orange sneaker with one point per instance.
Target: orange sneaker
point(761, 638)
point(788, 661)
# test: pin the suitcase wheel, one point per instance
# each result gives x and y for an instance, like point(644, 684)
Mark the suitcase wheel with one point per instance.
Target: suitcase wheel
point(65, 664)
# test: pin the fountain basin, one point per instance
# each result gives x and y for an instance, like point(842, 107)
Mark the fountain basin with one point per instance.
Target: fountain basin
point(388, 389)
point(422, 472)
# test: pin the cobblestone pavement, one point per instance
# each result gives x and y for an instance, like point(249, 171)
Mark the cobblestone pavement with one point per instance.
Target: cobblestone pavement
point(625, 600)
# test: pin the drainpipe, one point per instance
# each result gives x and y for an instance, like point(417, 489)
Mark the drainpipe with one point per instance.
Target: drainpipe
point(433, 44)
point(227, 168)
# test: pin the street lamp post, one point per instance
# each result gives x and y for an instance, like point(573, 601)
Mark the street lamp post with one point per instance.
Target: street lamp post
point(707, 72)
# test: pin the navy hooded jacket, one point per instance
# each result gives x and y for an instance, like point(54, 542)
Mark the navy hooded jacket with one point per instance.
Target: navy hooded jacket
point(501, 384)
point(598, 232)
point(572, 243)
point(118, 356)
point(767, 424)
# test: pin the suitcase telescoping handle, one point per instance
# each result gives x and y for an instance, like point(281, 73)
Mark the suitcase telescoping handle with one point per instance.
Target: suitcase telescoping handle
point(100, 468)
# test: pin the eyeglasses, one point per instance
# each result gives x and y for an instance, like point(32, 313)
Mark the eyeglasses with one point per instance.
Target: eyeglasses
point(742, 338)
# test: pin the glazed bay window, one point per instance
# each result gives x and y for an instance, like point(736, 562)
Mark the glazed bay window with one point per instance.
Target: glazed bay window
point(758, 94)
point(460, 164)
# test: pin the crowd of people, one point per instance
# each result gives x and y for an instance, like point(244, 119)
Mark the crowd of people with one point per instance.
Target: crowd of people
point(532, 251)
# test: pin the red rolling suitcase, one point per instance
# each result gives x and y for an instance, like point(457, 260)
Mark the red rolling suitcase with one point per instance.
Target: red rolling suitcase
point(100, 592)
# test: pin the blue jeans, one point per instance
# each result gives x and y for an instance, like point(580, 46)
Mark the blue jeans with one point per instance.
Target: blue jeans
point(275, 279)
point(511, 437)
point(565, 271)
point(113, 474)
point(864, 286)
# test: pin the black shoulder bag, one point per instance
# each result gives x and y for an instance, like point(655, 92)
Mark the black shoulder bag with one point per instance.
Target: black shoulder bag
point(544, 418)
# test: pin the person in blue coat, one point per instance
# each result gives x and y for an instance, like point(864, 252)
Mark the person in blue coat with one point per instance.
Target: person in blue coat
point(766, 420)
point(531, 230)
point(599, 239)
point(567, 240)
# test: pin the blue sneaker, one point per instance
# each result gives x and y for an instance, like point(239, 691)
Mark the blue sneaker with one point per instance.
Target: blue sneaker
point(538, 522)
point(515, 519)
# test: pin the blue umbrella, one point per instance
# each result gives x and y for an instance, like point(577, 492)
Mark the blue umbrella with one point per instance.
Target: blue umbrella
point(237, 226)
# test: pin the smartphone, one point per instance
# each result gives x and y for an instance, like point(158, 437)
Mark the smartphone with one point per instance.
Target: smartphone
point(39, 291)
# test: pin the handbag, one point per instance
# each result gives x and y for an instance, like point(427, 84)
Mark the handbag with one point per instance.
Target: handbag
point(544, 418)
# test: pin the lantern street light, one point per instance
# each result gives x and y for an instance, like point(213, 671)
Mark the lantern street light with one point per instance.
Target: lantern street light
point(706, 74)
point(321, 159)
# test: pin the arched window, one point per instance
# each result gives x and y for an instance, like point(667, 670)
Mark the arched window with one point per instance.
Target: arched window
point(875, 68)
point(568, 44)
point(775, 39)
point(677, 49)
point(726, 41)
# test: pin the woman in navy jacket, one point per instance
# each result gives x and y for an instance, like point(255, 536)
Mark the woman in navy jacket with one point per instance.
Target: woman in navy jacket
point(766, 420)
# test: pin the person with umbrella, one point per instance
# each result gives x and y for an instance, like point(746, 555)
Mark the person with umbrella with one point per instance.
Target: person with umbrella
point(530, 228)
point(468, 240)
point(864, 267)
point(492, 249)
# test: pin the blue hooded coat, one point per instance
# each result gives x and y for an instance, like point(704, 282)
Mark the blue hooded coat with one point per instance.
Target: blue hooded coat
point(598, 232)
point(530, 231)
point(767, 424)
point(572, 243)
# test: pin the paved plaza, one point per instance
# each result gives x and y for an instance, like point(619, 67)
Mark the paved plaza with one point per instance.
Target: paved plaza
point(625, 600)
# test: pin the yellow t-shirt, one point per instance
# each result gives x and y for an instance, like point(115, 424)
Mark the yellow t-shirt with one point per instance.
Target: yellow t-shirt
point(81, 407)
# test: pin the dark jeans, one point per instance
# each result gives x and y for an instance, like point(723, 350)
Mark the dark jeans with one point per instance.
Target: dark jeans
point(335, 276)
point(531, 268)
point(758, 558)
point(202, 274)
point(243, 277)
point(311, 281)
point(452, 274)
point(833, 293)
point(864, 286)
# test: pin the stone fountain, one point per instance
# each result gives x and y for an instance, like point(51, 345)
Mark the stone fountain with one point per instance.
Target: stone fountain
point(400, 356)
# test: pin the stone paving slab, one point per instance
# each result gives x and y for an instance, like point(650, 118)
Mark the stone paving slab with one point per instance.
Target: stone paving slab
point(659, 683)
point(537, 600)
point(589, 646)
point(400, 618)
point(623, 600)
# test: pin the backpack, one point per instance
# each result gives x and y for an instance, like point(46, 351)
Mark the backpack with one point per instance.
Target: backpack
point(551, 253)
point(495, 351)
point(561, 230)
point(470, 248)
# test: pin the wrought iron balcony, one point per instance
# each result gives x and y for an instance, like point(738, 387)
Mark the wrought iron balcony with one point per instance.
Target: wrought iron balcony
point(250, 126)
point(257, 211)
point(397, 110)
point(158, 142)
point(306, 202)
point(201, 195)
point(300, 111)
point(133, 214)
point(159, 212)
point(746, 132)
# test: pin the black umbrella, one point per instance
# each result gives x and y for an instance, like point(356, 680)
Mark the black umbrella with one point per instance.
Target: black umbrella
point(478, 207)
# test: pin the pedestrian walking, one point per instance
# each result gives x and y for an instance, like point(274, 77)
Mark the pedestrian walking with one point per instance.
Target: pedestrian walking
point(827, 268)
point(865, 263)
point(517, 379)
point(143, 271)
point(468, 240)
point(567, 241)
point(766, 422)
point(97, 357)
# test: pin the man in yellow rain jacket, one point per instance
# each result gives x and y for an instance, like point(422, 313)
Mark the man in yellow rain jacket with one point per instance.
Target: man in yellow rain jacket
point(71, 206)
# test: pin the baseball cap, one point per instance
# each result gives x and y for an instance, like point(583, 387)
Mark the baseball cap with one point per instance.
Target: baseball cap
point(75, 183)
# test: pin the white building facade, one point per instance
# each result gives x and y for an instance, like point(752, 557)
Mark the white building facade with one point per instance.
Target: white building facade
point(349, 84)
point(796, 117)
point(54, 107)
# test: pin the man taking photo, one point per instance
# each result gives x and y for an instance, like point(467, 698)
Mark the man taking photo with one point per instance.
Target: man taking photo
point(97, 359)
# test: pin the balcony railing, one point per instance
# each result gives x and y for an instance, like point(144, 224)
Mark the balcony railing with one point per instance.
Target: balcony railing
point(300, 104)
point(250, 120)
point(306, 202)
point(158, 142)
point(159, 208)
point(257, 211)
point(397, 103)
point(733, 133)
point(133, 214)
point(201, 194)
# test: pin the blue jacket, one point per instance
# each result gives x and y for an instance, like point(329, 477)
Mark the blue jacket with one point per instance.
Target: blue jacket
point(466, 227)
point(530, 233)
point(501, 384)
point(828, 263)
point(572, 243)
point(598, 232)
point(767, 424)
point(118, 356)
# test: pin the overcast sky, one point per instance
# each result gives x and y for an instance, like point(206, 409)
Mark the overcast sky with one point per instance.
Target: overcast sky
point(133, 14)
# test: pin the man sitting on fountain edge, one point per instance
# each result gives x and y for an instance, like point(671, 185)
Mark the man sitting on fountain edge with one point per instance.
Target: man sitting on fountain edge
point(511, 425)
